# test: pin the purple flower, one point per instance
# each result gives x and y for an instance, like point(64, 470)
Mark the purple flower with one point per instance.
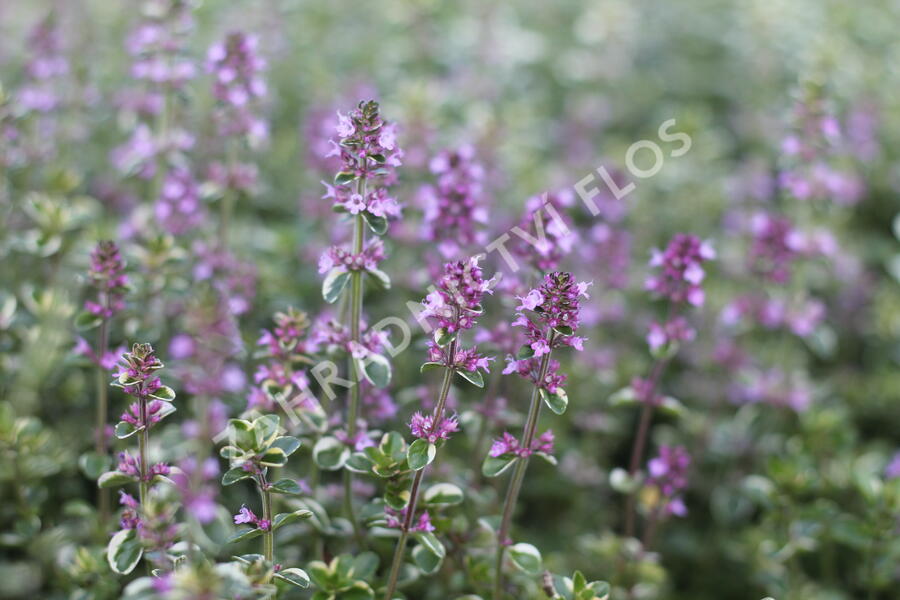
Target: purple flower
point(245, 515)
point(509, 444)
point(680, 269)
point(197, 487)
point(542, 237)
point(457, 300)
point(108, 280)
point(424, 427)
point(452, 206)
point(675, 330)
point(130, 518)
point(343, 260)
point(136, 374)
point(529, 369)
point(178, 208)
point(238, 85)
point(394, 519)
point(892, 471)
point(668, 473)
point(555, 304)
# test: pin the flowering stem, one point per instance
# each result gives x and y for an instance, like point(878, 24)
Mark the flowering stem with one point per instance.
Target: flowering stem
point(228, 196)
point(515, 484)
point(437, 417)
point(268, 534)
point(102, 403)
point(356, 300)
point(640, 441)
point(143, 442)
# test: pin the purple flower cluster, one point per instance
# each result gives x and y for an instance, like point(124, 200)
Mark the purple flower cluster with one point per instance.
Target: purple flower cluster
point(668, 473)
point(425, 427)
point(800, 317)
point(197, 485)
point(452, 210)
point(157, 44)
point(457, 300)
point(334, 336)
point(130, 465)
point(509, 444)
point(132, 416)
point(366, 145)
point(774, 246)
point(676, 329)
point(556, 305)
point(543, 238)
point(179, 208)
point(681, 270)
point(245, 515)
point(288, 348)
point(343, 260)
point(137, 372)
point(108, 279)
point(234, 279)
point(238, 84)
point(395, 518)
point(46, 64)
point(530, 369)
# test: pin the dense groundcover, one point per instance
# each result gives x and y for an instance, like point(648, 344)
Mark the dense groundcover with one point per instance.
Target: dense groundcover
point(449, 300)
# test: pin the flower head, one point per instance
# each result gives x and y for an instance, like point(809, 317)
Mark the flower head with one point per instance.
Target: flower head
point(555, 306)
point(108, 280)
point(424, 427)
point(681, 271)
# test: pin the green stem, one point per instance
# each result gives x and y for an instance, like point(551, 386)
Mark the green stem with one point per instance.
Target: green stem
point(356, 302)
point(102, 403)
point(228, 196)
point(640, 442)
point(268, 535)
point(143, 443)
point(515, 484)
point(437, 417)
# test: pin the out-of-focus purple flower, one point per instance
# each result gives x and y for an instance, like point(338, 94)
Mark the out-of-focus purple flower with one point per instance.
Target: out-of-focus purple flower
point(681, 271)
point(892, 471)
point(343, 260)
point(774, 387)
point(452, 206)
point(245, 515)
point(105, 362)
point(394, 519)
point(509, 444)
point(542, 237)
point(668, 473)
point(234, 279)
point(424, 427)
point(238, 85)
point(672, 331)
point(645, 391)
point(607, 255)
point(179, 208)
point(46, 65)
point(108, 280)
point(773, 248)
point(197, 486)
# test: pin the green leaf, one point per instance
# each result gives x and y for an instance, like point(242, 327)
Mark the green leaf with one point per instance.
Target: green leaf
point(112, 479)
point(622, 482)
point(376, 369)
point(265, 430)
point(623, 397)
point(557, 402)
point(495, 465)
point(525, 352)
point(344, 177)
point(244, 535)
point(234, 475)
point(563, 330)
point(320, 574)
point(330, 453)
point(125, 430)
point(282, 519)
point(420, 454)
point(360, 590)
point(288, 443)
point(273, 457)
point(241, 434)
point(443, 494)
point(334, 284)
point(294, 576)
point(600, 589)
point(93, 464)
point(164, 393)
point(526, 558)
point(85, 321)
point(381, 278)
point(378, 225)
point(124, 551)
point(442, 337)
point(431, 542)
point(473, 377)
point(427, 562)
point(364, 565)
point(359, 462)
point(286, 486)
point(430, 366)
